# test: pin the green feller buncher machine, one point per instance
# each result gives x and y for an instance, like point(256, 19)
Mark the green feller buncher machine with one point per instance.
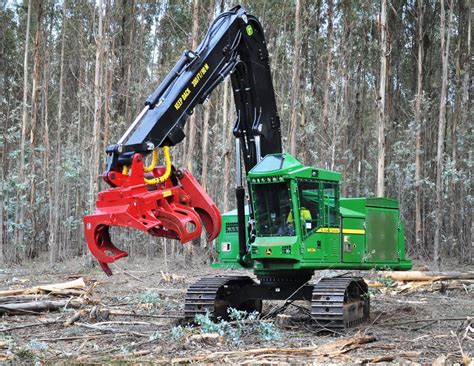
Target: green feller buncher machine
point(290, 220)
point(327, 232)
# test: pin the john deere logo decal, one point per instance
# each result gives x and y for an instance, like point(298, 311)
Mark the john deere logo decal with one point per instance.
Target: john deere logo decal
point(268, 251)
point(249, 30)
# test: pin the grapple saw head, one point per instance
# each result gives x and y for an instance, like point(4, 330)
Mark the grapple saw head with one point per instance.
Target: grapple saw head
point(172, 205)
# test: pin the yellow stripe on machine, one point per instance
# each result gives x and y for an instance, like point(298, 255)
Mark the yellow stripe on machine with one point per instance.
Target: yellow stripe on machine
point(333, 230)
point(353, 231)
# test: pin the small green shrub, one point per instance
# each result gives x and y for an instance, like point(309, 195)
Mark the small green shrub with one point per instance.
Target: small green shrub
point(241, 324)
point(268, 331)
point(150, 297)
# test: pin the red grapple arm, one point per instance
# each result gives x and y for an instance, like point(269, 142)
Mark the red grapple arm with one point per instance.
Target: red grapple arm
point(172, 209)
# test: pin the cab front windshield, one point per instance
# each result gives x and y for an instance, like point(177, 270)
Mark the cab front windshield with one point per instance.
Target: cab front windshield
point(272, 209)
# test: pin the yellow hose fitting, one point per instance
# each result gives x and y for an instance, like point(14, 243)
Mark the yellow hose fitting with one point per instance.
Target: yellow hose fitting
point(166, 175)
point(125, 170)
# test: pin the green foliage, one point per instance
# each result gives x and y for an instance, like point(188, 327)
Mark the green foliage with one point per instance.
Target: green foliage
point(150, 297)
point(268, 331)
point(24, 355)
point(179, 331)
point(387, 281)
point(241, 324)
point(155, 336)
point(208, 326)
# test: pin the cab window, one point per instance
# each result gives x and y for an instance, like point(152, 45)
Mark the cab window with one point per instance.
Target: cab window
point(272, 206)
point(331, 207)
point(309, 197)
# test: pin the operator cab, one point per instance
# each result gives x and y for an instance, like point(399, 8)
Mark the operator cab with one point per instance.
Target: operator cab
point(280, 186)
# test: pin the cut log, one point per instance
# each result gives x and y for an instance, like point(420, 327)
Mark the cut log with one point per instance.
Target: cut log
point(56, 287)
point(429, 276)
point(38, 306)
point(21, 298)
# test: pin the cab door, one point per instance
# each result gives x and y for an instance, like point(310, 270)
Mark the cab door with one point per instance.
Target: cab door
point(331, 220)
point(308, 202)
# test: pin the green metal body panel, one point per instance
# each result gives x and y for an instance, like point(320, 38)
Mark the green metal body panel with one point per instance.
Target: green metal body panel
point(227, 244)
point(326, 232)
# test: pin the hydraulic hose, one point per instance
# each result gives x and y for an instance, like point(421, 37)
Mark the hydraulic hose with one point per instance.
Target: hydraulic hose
point(154, 161)
point(165, 176)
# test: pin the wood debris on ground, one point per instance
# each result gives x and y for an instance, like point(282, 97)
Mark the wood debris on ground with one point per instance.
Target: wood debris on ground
point(419, 281)
point(49, 297)
point(171, 277)
point(127, 320)
point(333, 350)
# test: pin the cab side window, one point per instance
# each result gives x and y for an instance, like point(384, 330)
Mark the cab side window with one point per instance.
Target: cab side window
point(309, 197)
point(331, 204)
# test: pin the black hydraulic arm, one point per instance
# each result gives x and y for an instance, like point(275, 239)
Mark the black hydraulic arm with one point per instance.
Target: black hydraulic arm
point(234, 45)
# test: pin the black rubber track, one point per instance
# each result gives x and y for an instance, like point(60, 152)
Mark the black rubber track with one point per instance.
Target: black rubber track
point(329, 297)
point(208, 295)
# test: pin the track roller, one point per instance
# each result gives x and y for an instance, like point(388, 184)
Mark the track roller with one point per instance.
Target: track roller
point(339, 303)
point(212, 295)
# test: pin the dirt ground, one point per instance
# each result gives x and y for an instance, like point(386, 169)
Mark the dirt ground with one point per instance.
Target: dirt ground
point(418, 327)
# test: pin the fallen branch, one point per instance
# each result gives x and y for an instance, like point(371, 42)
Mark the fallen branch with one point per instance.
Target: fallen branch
point(126, 273)
point(123, 313)
point(31, 325)
point(133, 355)
point(36, 307)
point(390, 358)
point(427, 320)
point(74, 338)
point(126, 323)
point(77, 315)
point(109, 330)
point(332, 349)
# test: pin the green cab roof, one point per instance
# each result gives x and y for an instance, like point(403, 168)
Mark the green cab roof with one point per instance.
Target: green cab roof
point(286, 166)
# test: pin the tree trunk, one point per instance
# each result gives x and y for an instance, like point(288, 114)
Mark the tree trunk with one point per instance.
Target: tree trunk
point(191, 141)
point(327, 84)
point(295, 80)
point(445, 37)
point(418, 120)
point(465, 214)
point(37, 66)
point(205, 143)
point(47, 169)
point(130, 61)
point(109, 75)
point(205, 123)
point(380, 191)
point(20, 206)
point(225, 143)
point(189, 156)
point(54, 214)
point(95, 155)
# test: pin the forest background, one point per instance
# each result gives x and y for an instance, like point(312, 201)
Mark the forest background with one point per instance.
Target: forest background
point(378, 90)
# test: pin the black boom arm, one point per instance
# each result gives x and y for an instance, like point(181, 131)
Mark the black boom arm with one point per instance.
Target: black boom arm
point(234, 45)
